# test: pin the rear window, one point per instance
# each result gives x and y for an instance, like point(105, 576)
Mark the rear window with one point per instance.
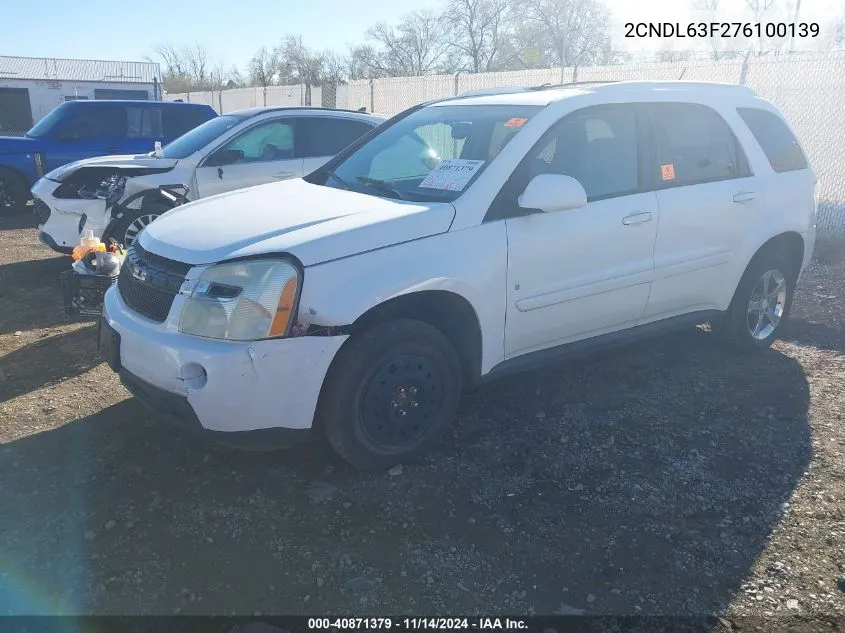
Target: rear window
point(775, 139)
point(178, 120)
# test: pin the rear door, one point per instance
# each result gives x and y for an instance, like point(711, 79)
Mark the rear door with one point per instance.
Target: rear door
point(262, 153)
point(707, 196)
point(320, 138)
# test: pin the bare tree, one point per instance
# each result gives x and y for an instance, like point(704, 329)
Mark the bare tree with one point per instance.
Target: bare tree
point(573, 32)
point(477, 31)
point(418, 45)
point(198, 65)
point(263, 68)
point(176, 77)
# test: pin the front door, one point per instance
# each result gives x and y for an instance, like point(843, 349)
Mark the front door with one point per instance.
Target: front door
point(579, 273)
point(260, 154)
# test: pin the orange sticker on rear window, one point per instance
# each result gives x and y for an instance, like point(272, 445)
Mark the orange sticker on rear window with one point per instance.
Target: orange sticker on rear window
point(667, 172)
point(516, 122)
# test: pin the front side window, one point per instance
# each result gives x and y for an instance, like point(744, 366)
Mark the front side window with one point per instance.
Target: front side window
point(272, 140)
point(95, 123)
point(777, 142)
point(596, 146)
point(694, 145)
point(201, 136)
point(433, 154)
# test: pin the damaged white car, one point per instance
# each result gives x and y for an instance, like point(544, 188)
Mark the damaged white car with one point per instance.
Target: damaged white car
point(117, 196)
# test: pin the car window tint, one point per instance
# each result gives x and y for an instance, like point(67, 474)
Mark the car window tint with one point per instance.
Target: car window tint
point(178, 120)
point(775, 139)
point(323, 136)
point(597, 147)
point(694, 145)
point(143, 122)
point(101, 121)
point(272, 140)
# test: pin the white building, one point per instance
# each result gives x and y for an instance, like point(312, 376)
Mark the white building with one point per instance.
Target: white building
point(30, 87)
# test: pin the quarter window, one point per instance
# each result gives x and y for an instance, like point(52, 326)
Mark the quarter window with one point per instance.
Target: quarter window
point(775, 139)
point(694, 145)
point(596, 146)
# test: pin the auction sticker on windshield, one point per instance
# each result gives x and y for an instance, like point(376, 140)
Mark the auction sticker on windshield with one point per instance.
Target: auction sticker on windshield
point(452, 174)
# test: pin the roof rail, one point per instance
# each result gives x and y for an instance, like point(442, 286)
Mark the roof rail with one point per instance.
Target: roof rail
point(571, 83)
point(670, 84)
point(483, 92)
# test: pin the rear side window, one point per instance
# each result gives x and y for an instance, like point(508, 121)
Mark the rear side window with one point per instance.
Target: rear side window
point(322, 136)
point(775, 139)
point(143, 122)
point(694, 145)
point(177, 120)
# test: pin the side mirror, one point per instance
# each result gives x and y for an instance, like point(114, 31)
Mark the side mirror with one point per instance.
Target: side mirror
point(224, 157)
point(553, 192)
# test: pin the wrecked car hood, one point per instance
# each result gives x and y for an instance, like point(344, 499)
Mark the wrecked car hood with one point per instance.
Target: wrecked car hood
point(312, 222)
point(149, 164)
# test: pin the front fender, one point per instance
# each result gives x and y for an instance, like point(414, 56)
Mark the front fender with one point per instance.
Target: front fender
point(471, 263)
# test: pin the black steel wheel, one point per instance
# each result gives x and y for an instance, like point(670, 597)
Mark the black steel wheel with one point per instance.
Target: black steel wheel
point(390, 393)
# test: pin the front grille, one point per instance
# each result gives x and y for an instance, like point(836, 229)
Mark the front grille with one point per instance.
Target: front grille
point(40, 210)
point(148, 283)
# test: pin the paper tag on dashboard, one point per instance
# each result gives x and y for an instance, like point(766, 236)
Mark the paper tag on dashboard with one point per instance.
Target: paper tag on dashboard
point(667, 172)
point(452, 174)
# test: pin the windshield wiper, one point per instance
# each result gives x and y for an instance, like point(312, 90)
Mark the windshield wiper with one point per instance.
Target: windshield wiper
point(381, 184)
point(329, 172)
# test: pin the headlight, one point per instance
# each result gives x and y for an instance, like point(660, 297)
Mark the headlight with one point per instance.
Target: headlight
point(242, 301)
point(60, 173)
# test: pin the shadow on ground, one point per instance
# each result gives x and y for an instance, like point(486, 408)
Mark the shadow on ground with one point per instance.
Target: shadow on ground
point(643, 481)
point(32, 289)
point(48, 361)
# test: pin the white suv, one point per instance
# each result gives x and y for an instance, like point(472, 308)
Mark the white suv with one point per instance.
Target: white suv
point(466, 238)
point(117, 196)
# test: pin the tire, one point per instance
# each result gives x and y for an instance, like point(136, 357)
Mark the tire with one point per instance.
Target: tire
point(14, 192)
point(126, 227)
point(742, 320)
point(390, 393)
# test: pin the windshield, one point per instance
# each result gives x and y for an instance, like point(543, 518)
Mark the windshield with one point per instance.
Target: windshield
point(433, 154)
point(200, 136)
point(45, 125)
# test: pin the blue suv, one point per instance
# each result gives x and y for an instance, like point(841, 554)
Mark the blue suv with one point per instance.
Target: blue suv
point(84, 129)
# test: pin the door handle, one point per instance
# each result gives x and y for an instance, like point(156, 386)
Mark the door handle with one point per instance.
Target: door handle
point(281, 175)
point(741, 197)
point(220, 173)
point(111, 149)
point(636, 218)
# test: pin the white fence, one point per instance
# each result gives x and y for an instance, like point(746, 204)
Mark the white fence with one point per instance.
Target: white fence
point(810, 89)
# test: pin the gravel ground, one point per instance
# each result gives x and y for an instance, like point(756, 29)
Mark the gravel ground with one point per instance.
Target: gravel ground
point(671, 477)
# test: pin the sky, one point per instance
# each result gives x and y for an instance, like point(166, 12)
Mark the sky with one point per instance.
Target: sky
point(232, 31)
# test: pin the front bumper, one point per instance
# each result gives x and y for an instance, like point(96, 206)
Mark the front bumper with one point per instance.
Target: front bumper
point(223, 386)
point(66, 218)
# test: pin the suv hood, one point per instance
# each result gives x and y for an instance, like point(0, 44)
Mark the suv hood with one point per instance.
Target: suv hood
point(19, 144)
point(311, 222)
